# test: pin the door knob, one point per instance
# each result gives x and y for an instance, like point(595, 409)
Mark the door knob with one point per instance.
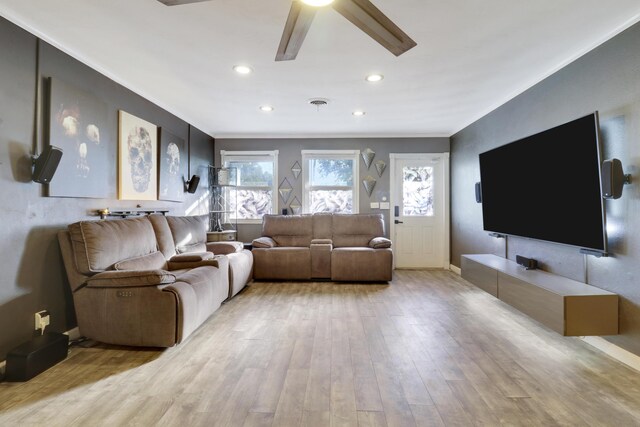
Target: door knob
point(398, 222)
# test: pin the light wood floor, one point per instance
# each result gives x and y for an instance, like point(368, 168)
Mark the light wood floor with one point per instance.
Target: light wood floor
point(430, 349)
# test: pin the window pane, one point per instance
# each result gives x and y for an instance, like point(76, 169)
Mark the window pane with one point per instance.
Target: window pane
point(334, 201)
point(417, 191)
point(326, 172)
point(251, 204)
point(254, 174)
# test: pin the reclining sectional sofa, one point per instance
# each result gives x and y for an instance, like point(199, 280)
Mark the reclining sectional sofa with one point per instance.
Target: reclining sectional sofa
point(149, 281)
point(323, 246)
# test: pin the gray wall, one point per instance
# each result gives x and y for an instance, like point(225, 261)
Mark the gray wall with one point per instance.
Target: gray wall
point(608, 80)
point(290, 152)
point(33, 277)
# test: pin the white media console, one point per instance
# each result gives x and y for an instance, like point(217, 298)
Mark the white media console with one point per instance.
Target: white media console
point(568, 307)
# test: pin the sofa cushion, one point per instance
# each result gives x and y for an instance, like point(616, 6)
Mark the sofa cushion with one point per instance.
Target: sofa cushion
point(189, 232)
point(166, 245)
point(356, 230)
point(322, 225)
point(264, 242)
point(225, 248)
point(289, 230)
point(131, 278)
point(380, 243)
point(152, 261)
point(98, 245)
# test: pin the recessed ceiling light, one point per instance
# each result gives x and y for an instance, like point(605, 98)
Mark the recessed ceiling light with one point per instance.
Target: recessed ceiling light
point(359, 113)
point(374, 78)
point(317, 3)
point(242, 69)
point(266, 108)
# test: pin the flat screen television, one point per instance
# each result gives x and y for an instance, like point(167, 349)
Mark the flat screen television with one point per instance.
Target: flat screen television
point(547, 186)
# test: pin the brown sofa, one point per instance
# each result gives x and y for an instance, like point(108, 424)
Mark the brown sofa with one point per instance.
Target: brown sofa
point(323, 246)
point(148, 281)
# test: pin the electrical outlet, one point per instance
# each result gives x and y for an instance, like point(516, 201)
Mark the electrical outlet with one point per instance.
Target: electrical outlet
point(43, 319)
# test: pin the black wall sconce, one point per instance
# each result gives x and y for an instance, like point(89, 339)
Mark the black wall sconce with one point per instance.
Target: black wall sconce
point(45, 165)
point(192, 184)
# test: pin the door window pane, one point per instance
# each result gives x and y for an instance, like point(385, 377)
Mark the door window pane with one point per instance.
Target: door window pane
point(417, 191)
point(334, 201)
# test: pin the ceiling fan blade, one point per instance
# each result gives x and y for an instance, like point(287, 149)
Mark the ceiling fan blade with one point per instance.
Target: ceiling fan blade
point(179, 2)
point(364, 15)
point(295, 30)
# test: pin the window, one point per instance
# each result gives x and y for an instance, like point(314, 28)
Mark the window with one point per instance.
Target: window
point(330, 181)
point(417, 191)
point(257, 184)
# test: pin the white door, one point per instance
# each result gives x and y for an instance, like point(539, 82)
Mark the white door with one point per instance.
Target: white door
point(420, 210)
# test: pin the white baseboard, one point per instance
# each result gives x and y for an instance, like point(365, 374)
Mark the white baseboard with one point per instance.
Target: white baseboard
point(455, 269)
point(618, 353)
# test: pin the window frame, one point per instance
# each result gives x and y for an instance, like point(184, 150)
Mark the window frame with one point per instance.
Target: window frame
point(255, 156)
point(307, 155)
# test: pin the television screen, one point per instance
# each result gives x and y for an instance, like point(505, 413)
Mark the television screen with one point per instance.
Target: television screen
point(547, 186)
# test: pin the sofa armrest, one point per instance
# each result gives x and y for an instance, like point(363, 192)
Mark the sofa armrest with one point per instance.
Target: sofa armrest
point(264, 242)
point(191, 257)
point(182, 265)
point(380, 243)
point(130, 278)
point(322, 242)
point(225, 248)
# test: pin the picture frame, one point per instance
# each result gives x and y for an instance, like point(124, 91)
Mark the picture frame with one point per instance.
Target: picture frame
point(79, 125)
point(137, 158)
point(173, 157)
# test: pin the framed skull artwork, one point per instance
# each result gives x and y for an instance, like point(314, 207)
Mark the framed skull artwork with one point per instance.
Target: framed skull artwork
point(137, 158)
point(78, 124)
point(172, 165)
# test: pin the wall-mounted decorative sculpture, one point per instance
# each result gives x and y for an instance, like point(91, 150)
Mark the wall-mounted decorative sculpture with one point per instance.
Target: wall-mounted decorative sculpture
point(380, 167)
point(285, 190)
point(295, 206)
point(369, 184)
point(367, 155)
point(296, 169)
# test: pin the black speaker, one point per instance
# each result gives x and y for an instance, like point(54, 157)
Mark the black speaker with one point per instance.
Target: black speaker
point(33, 357)
point(528, 263)
point(192, 184)
point(45, 165)
point(285, 211)
point(478, 192)
point(613, 179)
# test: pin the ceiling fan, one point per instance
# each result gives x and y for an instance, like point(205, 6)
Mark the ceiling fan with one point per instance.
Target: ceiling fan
point(362, 13)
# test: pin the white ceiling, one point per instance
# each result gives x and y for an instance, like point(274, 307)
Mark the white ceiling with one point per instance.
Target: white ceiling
point(472, 56)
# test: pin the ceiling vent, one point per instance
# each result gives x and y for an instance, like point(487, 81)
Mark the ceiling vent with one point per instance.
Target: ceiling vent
point(319, 102)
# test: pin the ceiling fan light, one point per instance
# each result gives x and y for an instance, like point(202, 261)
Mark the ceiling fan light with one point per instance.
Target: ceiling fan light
point(317, 3)
point(266, 108)
point(359, 113)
